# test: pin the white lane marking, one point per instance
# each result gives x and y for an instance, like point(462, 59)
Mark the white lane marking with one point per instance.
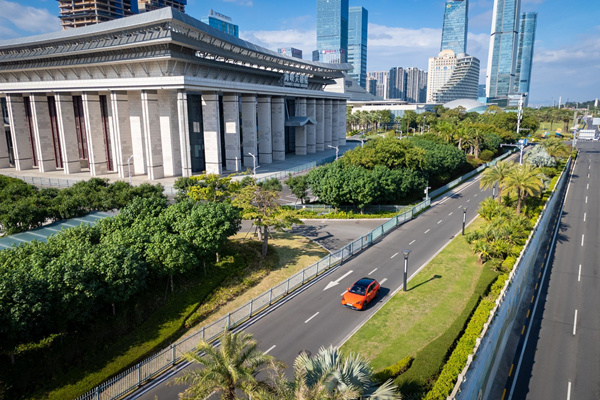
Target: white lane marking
point(569, 391)
point(588, 186)
point(317, 313)
point(588, 176)
point(384, 280)
point(579, 276)
point(374, 269)
point(270, 348)
point(427, 230)
point(459, 207)
point(584, 215)
point(412, 242)
point(394, 255)
point(439, 222)
point(337, 281)
point(475, 196)
point(468, 200)
point(575, 323)
point(451, 213)
point(582, 237)
point(585, 199)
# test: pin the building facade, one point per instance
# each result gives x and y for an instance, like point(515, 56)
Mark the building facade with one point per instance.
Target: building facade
point(290, 51)
point(357, 44)
point(463, 82)
point(222, 23)
point(398, 83)
point(456, 23)
point(372, 85)
point(440, 70)
point(525, 54)
point(502, 57)
point(416, 85)
point(332, 31)
point(151, 5)
point(382, 86)
point(162, 93)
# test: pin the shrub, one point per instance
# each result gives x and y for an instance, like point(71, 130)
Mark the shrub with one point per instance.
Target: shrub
point(394, 371)
point(486, 155)
point(509, 263)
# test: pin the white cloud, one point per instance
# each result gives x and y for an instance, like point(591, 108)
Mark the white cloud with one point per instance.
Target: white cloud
point(247, 3)
point(305, 40)
point(28, 19)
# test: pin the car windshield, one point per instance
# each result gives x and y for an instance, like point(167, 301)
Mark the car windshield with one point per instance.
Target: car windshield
point(358, 289)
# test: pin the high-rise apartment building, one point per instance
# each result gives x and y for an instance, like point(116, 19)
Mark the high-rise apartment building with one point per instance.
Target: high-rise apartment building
point(525, 54)
point(398, 83)
point(78, 13)
point(383, 83)
point(452, 77)
point(332, 30)
point(456, 23)
point(503, 48)
point(372, 85)
point(221, 22)
point(416, 85)
point(358, 22)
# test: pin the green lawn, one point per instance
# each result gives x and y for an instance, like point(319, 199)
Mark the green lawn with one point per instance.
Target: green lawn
point(425, 321)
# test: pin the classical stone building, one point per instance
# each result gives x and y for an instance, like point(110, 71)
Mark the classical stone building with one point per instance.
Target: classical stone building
point(163, 91)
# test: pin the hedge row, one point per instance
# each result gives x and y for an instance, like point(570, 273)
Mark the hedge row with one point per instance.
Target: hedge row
point(393, 371)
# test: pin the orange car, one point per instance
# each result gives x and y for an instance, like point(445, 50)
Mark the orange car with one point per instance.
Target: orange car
point(361, 293)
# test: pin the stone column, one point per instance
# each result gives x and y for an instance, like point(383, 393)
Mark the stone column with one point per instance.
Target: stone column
point(169, 132)
point(152, 135)
point(138, 143)
point(335, 123)
point(19, 132)
point(328, 131)
point(184, 134)
point(40, 116)
point(121, 132)
point(231, 117)
point(67, 133)
point(278, 128)
point(249, 129)
point(4, 156)
point(320, 127)
point(301, 130)
point(95, 133)
point(311, 130)
point(265, 138)
point(342, 119)
point(212, 132)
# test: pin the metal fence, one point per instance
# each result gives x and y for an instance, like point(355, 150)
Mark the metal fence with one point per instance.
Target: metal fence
point(137, 375)
point(476, 379)
point(326, 209)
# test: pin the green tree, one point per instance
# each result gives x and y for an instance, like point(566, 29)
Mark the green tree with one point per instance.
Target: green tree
point(211, 187)
point(523, 180)
point(496, 174)
point(298, 186)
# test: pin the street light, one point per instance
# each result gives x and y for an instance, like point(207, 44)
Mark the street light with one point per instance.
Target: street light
point(253, 163)
point(494, 191)
point(520, 146)
point(405, 253)
point(464, 219)
point(337, 151)
point(129, 167)
point(362, 142)
point(427, 192)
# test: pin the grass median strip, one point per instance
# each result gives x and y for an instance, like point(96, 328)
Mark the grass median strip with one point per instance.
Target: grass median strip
point(425, 321)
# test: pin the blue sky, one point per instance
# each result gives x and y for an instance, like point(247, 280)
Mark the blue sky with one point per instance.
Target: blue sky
point(401, 33)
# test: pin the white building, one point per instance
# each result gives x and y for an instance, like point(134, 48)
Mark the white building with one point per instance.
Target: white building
point(452, 77)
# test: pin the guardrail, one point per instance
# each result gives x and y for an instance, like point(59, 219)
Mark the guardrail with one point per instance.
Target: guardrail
point(136, 376)
point(476, 379)
point(325, 208)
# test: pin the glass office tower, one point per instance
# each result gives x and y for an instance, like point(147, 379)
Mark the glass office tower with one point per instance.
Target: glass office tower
point(456, 23)
point(332, 30)
point(503, 48)
point(357, 44)
point(525, 53)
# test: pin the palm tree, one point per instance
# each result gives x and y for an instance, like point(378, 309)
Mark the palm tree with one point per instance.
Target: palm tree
point(522, 180)
point(497, 173)
point(230, 367)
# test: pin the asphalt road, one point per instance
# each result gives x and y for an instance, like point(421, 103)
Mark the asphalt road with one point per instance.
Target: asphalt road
point(561, 359)
point(314, 316)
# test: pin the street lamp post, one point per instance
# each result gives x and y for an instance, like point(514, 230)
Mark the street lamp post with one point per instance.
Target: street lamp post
point(362, 142)
point(405, 253)
point(427, 192)
point(129, 168)
point(494, 191)
point(253, 163)
point(337, 151)
point(464, 219)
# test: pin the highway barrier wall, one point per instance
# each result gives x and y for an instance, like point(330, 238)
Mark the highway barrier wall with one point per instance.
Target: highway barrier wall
point(476, 379)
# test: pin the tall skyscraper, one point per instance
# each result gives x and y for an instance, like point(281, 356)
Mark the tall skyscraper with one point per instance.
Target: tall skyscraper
point(416, 85)
point(372, 85)
point(332, 30)
point(503, 48)
point(525, 54)
point(221, 22)
point(357, 44)
point(456, 23)
point(398, 83)
point(383, 83)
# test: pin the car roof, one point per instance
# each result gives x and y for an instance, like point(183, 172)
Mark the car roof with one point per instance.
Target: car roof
point(364, 282)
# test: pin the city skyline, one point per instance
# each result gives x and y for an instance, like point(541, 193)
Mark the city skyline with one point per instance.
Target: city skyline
point(567, 42)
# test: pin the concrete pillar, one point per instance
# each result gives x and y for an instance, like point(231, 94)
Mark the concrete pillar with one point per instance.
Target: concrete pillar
point(95, 133)
point(67, 133)
point(265, 138)
point(19, 132)
point(184, 134)
point(278, 128)
point(169, 132)
point(212, 132)
point(4, 156)
point(138, 143)
point(231, 118)
point(311, 130)
point(249, 129)
point(152, 135)
point(342, 119)
point(40, 116)
point(301, 130)
point(320, 127)
point(328, 131)
point(335, 123)
point(121, 133)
